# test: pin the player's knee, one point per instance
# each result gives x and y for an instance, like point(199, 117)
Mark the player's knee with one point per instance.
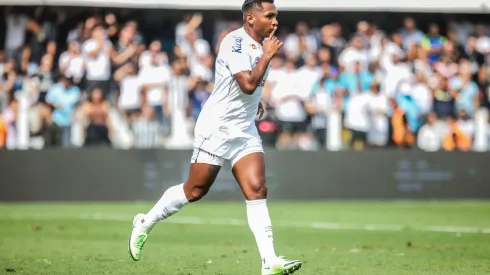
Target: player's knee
point(197, 193)
point(258, 189)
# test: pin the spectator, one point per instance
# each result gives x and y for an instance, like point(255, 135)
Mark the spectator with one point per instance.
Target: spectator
point(357, 81)
point(154, 56)
point(320, 103)
point(145, 129)
point(130, 96)
point(48, 131)
point(72, 64)
point(178, 92)
point(391, 49)
point(63, 96)
point(482, 40)
point(190, 22)
point(300, 43)
point(378, 114)
point(195, 49)
point(154, 80)
point(7, 82)
point(395, 74)
point(484, 88)
point(97, 52)
point(288, 100)
point(433, 42)
point(198, 96)
point(444, 102)
point(97, 124)
point(465, 124)
point(10, 119)
point(422, 94)
point(431, 134)
point(410, 34)
point(352, 55)
point(45, 77)
point(465, 91)
point(456, 139)
point(3, 133)
point(357, 119)
point(16, 23)
point(403, 137)
point(409, 105)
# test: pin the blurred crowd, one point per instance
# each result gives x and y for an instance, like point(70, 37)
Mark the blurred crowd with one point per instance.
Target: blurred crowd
point(412, 88)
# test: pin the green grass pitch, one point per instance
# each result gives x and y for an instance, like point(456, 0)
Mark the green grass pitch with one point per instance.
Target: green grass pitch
point(392, 238)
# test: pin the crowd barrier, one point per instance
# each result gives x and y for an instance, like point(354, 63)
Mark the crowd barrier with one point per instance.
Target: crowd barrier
point(130, 175)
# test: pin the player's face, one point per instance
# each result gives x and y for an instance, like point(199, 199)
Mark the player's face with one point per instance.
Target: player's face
point(265, 19)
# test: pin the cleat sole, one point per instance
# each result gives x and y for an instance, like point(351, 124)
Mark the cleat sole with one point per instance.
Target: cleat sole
point(292, 270)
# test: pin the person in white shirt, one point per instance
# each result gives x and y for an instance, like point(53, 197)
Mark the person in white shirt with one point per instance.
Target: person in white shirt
point(378, 110)
point(130, 99)
point(300, 43)
point(190, 22)
point(431, 135)
point(96, 53)
point(154, 51)
point(422, 94)
point(71, 62)
point(226, 131)
point(394, 75)
point(353, 54)
point(16, 25)
point(154, 79)
point(357, 119)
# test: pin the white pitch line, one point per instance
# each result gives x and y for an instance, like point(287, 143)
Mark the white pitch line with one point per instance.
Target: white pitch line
point(279, 223)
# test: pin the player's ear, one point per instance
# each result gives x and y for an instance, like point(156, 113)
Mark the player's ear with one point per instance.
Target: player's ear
point(249, 18)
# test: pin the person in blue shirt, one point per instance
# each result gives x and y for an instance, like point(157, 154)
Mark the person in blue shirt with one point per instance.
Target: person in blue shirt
point(197, 97)
point(328, 82)
point(411, 108)
point(466, 92)
point(63, 97)
point(358, 81)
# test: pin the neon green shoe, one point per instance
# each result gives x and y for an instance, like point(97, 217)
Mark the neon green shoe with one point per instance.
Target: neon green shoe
point(281, 266)
point(137, 239)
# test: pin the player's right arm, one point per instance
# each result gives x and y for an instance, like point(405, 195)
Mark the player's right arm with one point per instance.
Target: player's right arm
point(248, 80)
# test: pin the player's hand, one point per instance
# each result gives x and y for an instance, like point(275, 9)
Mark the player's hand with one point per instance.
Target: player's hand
point(272, 45)
point(261, 110)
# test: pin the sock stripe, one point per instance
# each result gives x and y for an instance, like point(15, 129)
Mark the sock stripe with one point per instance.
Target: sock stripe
point(256, 202)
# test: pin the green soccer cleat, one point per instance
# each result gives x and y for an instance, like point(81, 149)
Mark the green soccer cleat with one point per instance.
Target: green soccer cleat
point(281, 266)
point(137, 239)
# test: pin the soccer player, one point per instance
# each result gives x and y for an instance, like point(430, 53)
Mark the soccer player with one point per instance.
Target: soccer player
point(226, 131)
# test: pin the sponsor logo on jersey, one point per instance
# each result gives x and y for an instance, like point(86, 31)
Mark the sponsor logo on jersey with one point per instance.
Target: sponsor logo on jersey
point(237, 46)
point(262, 83)
point(257, 59)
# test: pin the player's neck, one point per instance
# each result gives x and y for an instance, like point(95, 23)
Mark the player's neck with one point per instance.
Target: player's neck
point(252, 34)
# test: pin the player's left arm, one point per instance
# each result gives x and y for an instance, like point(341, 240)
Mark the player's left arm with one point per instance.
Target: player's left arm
point(247, 78)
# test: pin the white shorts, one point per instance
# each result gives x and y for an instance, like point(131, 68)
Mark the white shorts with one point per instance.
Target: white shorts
point(225, 150)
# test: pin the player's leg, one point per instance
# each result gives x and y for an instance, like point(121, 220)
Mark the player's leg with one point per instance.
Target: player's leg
point(202, 174)
point(249, 171)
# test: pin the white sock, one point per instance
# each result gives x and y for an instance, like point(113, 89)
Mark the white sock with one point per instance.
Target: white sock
point(170, 203)
point(260, 224)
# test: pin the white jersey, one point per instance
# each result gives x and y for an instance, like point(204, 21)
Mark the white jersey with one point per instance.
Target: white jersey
point(229, 113)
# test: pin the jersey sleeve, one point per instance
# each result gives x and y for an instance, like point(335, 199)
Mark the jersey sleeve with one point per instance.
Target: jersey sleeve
point(234, 55)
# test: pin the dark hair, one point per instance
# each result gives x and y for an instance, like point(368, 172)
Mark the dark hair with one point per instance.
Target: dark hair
point(247, 4)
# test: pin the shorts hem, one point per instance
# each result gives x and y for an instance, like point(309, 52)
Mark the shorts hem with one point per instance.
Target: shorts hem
point(244, 154)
